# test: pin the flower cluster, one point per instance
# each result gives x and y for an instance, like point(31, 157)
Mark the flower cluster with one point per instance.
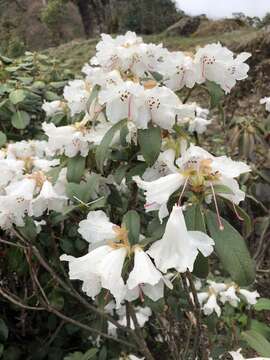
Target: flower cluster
point(196, 168)
point(26, 185)
point(125, 71)
point(221, 293)
point(103, 266)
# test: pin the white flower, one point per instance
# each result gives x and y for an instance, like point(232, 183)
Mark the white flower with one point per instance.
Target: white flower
point(85, 268)
point(48, 200)
point(249, 296)
point(44, 164)
point(26, 149)
point(163, 166)
point(198, 125)
point(266, 101)
point(77, 93)
point(110, 271)
point(179, 247)
point(162, 106)
point(53, 107)
point(97, 227)
point(142, 314)
point(157, 192)
point(113, 53)
point(125, 101)
point(98, 76)
point(144, 271)
point(197, 166)
point(211, 306)
point(236, 355)
point(178, 70)
point(229, 296)
point(73, 139)
point(216, 63)
point(16, 203)
point(10, 170)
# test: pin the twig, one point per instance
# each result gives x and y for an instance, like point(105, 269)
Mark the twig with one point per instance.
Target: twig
point(18, 303)
point(12, 244)
point(140, 339)
point(202, 353)
point(86, 327)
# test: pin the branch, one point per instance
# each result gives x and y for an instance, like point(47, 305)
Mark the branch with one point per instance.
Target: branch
point(19, 303)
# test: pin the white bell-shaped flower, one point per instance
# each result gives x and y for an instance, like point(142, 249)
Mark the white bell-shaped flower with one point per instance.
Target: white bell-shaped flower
point(229, 296)
point(144, 271)
point(266, 101)
point(85, 268)
point(110, 271)
point(179, 247)
point(211, 306)
point(97, 227)
point(48, 200)
point(249, 296)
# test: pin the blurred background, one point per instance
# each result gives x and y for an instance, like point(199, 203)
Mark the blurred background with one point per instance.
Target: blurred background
point(39, 24)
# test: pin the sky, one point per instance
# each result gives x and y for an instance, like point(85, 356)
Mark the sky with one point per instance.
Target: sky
point(224, 8)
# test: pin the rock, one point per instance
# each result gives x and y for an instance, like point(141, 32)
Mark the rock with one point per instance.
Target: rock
point(186, 26)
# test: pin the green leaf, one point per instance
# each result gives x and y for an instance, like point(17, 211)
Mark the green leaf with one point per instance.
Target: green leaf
point(247, 224)
point(150, 143)
point(20, 119)
point(131, 220)
point(83, 191)
point(262, 304)
point(157, 76)
point(75, 168)
point(216, 93)
point(17, 96)
point(195, 221)
point(220, 189)
point(29, 230)
point(90, 354)
point(74, 356)
point(103, 148)
point(261, 328)
point(93, 95)
point(232, 250)
point(1, 350)
point(56, 299)
point(3, 138)
point(257, 342)
point(3, 331)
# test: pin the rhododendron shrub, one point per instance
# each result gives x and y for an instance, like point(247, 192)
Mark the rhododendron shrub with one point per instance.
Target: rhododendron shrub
point(125, 211)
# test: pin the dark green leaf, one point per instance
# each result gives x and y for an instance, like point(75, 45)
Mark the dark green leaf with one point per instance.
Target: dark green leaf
point(83, 191)
point(20, 119)
point(75, 168)
point(90, 354)
point(103, 148)
point(150, 143)
point(262, 304)
point(261, 328)
point(131, 220)
point(195, 221)
point(216, 93)
point(257, 342)
point(232, 250)
point(3, 138)
point(56, 299)
point(3, 331)
point(17, 96)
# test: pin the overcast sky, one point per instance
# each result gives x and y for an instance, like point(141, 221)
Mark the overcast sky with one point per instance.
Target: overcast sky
point(224, 8)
